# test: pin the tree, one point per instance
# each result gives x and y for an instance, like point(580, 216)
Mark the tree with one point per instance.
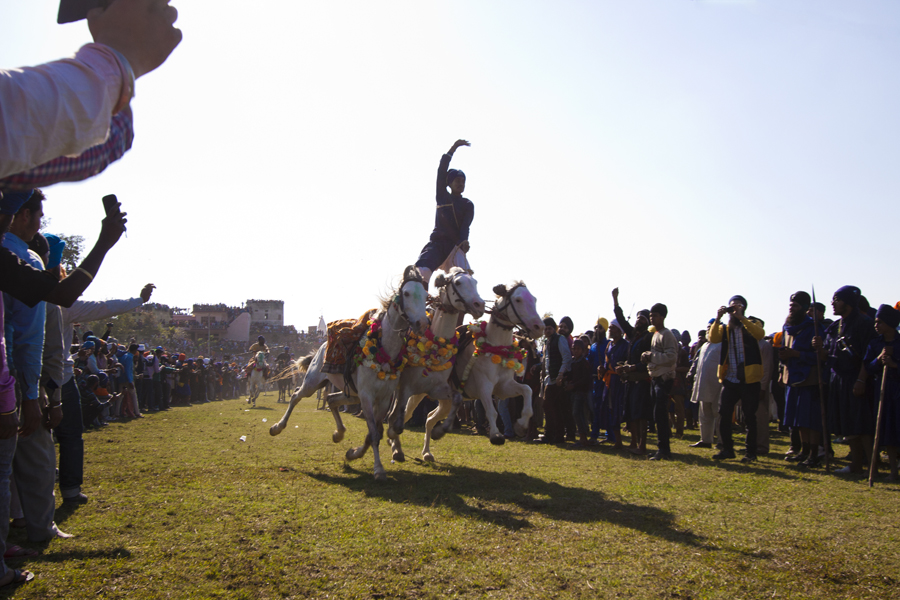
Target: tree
point(72, 252)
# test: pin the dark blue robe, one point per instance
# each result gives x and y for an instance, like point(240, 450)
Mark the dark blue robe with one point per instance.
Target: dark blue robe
point(451, 222)
point(612, 410)
point(890, 418)
point(801, 407)
point(846, 341)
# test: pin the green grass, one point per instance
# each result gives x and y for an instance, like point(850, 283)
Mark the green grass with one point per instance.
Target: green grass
point(181, 508)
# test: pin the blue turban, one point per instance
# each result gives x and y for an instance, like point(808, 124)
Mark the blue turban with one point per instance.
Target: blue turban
point(889, 315)
point(739, 299)
point(11, 202)
point(802, 298)
point(453, 174)
point(56, 249)
point(660, 309)
point(87, 346)
point(849, 294)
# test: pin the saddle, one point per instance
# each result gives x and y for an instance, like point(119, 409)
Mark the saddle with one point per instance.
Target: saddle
point(343, 343)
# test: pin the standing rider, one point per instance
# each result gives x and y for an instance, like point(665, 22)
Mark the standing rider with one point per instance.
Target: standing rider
point(449, 241)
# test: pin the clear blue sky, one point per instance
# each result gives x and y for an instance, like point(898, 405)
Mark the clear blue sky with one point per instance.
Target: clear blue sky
point(681, 150)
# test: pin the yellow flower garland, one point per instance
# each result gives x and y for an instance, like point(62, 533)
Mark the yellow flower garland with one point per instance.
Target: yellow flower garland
point(430, 352)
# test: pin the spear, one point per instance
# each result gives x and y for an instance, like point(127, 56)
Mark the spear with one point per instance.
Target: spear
point(826, 441)
point(878, 428)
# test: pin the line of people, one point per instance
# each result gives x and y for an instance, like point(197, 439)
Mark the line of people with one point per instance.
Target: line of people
point(649, 378)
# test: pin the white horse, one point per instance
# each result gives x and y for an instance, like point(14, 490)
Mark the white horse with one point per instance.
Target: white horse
point(484, 377)
point(458, 293)
point(376, 379)
point(257, 377)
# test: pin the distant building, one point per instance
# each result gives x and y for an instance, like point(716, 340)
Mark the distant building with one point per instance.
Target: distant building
point(266, 312)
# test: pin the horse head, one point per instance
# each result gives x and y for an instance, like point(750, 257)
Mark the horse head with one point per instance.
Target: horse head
point(410, 299)
point(459, 290)
point(517, 306)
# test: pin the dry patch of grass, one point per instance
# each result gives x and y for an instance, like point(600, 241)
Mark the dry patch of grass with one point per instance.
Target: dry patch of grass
point(181, 508)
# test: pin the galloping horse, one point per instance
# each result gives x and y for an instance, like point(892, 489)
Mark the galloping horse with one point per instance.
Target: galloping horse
point(375, 380)
point(257, 377)
point(487, 367)
point(458, 293)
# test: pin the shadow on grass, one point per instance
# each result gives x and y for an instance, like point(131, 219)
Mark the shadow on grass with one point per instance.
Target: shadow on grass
point(483, 494)
point(66, 555)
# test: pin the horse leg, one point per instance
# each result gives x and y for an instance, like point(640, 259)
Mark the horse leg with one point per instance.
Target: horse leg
point(395, 428)
point(365, 401)
point(397, 454)
point(312, 382)
point(411, 406)
point(380, 412)
point(511, 389)
point(434, 417)
point(447, 424)
point(485, 394)
point(334, 403)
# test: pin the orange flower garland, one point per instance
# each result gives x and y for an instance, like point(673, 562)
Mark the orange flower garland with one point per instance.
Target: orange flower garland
point(511, 357)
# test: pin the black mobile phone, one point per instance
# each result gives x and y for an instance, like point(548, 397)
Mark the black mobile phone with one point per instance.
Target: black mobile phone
point(110, 204)
point(76, 10)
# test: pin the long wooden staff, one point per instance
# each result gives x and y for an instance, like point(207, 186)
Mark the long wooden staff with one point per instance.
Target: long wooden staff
point(878, 428)
point(826, 441)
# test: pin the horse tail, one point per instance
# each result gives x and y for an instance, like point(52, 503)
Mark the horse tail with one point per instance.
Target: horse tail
point(304, 362)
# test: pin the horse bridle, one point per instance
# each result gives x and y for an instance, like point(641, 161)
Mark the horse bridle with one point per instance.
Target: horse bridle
point(398, 300)
point(495, 312)
point(467, 308)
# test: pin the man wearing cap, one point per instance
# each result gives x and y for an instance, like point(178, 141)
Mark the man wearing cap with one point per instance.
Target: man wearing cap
point(661, 360)
point(800, 378)
point(740, 371)
point(449, 241)
point(850, 411)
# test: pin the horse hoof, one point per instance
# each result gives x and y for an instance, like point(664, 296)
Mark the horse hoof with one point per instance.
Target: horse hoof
point(398, 456)
point(437, 433)
point(380, 476)
point(337, 436)
point(498, 440)
point(275, 429)
point(520, 431)
point(428, 457)
point(351, 454)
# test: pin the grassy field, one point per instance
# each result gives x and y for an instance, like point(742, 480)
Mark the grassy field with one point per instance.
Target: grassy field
point(181, 508)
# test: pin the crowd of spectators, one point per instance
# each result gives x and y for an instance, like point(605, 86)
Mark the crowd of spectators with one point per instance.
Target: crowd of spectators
point(126, 380)
point(734, 377)
point(62, 121)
